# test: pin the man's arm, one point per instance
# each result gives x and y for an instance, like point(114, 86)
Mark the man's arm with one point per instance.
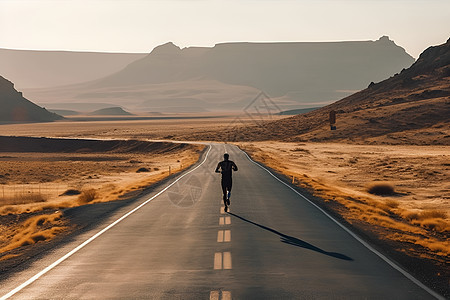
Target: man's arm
point(217, 168)
point(234, 166)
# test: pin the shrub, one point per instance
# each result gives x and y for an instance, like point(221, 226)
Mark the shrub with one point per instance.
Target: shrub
point(140, 170)
point(381, 189)
point(87, 196)
point(71, 192)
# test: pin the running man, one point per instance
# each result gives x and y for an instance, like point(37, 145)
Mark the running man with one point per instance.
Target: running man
point(227, 167)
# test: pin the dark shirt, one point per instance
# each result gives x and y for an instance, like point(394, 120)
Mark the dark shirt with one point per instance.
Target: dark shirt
point(227, 167)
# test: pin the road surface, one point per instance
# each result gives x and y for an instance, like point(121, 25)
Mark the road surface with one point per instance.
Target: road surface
point(180, 244)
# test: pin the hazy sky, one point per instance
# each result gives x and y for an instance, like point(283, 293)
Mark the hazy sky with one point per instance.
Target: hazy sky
point(140, 25)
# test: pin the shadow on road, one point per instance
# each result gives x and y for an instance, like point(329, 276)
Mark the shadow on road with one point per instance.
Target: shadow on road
point(295, 241)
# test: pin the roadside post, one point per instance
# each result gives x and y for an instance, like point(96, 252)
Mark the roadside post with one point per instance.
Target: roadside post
point(333, 120)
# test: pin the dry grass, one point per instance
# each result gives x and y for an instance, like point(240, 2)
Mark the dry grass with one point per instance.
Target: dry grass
point(432, 214)
point(346, 174)
point(33, 230)
point(87, 196)
point(146, 129)
point(61, 176)
point(22, 198)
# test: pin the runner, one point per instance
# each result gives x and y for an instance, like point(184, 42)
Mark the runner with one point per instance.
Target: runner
point(227, 166)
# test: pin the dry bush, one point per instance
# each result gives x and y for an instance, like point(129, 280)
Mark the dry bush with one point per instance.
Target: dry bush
point(71, 192)
point(143, 169)
point(388, 206)
point(424, 215)
point(410, 215)
point(381, 189)
point(87, 196)
point(435, 225)
point(432, 214)
point(392, 203)
point(430, 219)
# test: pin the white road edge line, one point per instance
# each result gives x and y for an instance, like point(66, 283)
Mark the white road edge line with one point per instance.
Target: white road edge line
point(387, 260)
point(53, 265)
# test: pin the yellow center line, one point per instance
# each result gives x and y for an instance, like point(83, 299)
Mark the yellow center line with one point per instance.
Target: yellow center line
point(224, 221)
point(226, 295)
point(227, 260)
point(218, 261)
point(215, 295)
point(222, 210)
point(220, 236)
point(224, 236)
point(227, 236)
point(222, 261)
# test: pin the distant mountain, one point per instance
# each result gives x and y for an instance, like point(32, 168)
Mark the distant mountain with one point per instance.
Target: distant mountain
point(15, 108)
point(298, 111)
point(412, 107)
point(276, 68)
point(76, 106)
point(228, 76)
point(111, 111)
point(64, 112)
point(38, 69)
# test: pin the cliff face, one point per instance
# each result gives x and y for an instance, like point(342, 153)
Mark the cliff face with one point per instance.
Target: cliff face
point(228, 76)
point(15, 108)
point(411, 107)
point(276, 68)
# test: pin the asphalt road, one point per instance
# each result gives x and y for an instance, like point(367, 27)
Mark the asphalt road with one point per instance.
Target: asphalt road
point(273, 244)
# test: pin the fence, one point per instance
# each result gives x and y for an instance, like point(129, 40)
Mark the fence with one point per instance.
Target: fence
point(11, 194)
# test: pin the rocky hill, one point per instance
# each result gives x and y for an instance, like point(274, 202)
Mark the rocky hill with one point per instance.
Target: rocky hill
point(412, 107)
point(275, 68)
point(228, 76)
point(15, 108)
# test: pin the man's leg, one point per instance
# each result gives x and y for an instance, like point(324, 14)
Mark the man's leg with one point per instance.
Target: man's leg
point(224, 192)
point(230, 185)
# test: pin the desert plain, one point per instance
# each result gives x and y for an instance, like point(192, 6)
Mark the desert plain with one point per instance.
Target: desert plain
point(41, 177)
point(409, 214)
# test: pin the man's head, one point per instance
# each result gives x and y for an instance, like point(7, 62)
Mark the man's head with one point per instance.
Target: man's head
point(226, 156)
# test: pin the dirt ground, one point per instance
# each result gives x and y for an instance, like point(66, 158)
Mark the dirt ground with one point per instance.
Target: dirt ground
point(407, 217)
point(411, 217)
point(416, 210)
point(135, 129)
point(35, 186)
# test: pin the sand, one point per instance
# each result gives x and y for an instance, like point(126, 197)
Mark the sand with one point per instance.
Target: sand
point(35, 186)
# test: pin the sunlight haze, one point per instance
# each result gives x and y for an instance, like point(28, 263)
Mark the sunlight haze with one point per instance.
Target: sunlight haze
point(139, 26)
